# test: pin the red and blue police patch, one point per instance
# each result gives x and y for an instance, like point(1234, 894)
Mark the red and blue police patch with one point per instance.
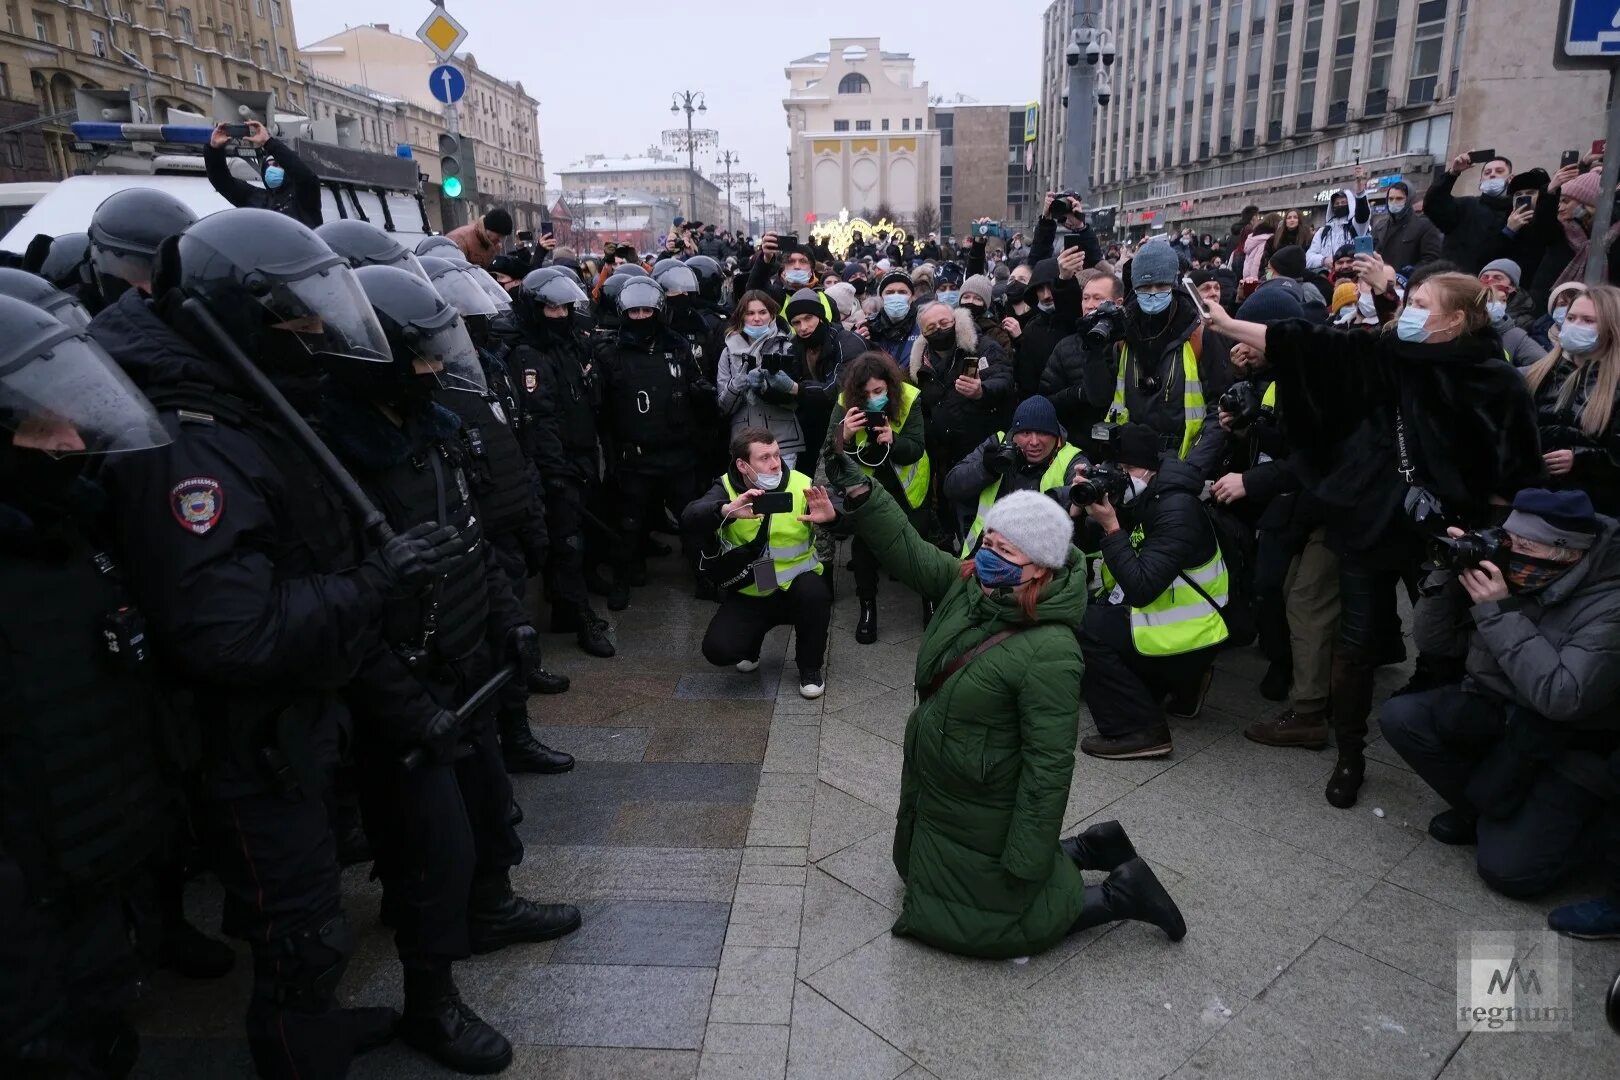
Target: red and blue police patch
point(198, 503)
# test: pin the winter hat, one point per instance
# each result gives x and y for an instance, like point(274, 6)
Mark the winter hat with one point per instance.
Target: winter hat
point(1036, 414)
point(1271, 303)
point(842, 294)
point(948, 274)
point(1344, 251)
point(1584, 189)
point(850, 269)
point(1288, 261)
point(884, 265)
point(1505, 266)
point(1001, 272)
point(1139, 446)
point(1035, 525)
point(978, 285)
point(895, 277)
point(1345, 294)
point(1563, 519)
point(805, 302)
point(1156, 264)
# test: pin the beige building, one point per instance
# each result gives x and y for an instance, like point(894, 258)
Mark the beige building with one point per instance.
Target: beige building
point(857, 133)
point(1215, 106)
point(656, 174)
point(499, 115)
point(354, 117)
point(170, 55)
point(982, 165)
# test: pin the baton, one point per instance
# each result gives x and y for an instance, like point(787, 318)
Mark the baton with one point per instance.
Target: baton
point(464, 712)
point(371, 519)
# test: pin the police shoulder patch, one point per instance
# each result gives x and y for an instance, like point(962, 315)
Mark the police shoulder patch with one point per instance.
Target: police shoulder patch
point(531, 380)
point(198, 502)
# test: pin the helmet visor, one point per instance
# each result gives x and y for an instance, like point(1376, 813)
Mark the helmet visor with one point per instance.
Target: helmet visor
point(446, 350)
point(560, 291)
point(329, 314)
point(67, 310)
point(462, 291)
point(678, 279)
point(408, 261)
point(492, 288)
point(130, 269)
point(66, 396)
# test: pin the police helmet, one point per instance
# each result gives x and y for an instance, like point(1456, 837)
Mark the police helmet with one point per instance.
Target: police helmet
point(492, 288)
point(710, 277)
point(458, 287)
point(546, 273)
point(125, 232)
point(424, 331)
point(363, 244)
point(664, 264)
point(290, 301)
point(677, 278)
point(68, 262)
point(629, 269)
point(33, 289)
point(640, 293)
point(611, 288)
point(544, 289)
point(442, 246)
point(61, 393)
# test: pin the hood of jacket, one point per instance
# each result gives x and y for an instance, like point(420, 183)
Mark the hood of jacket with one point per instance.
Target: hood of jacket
point(1349, 205)
point(151, 352)
point(967, 337)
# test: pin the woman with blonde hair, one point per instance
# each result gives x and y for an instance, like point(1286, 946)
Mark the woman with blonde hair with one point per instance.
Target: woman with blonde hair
point(1575, 387)
point(1398, 433)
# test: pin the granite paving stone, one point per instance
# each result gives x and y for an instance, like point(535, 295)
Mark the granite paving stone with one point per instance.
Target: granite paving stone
point(839, 820)
point(646, 934)
point(621, 873)
point(837, 920)
point(829, 1044)
point(680, 824)
point(603, 1005)
point(596, 743)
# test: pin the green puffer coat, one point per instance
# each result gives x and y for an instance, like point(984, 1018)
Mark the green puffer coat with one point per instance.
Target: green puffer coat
point(988, 758)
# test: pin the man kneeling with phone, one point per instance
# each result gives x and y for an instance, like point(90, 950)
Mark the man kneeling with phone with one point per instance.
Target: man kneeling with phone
point(759, 551)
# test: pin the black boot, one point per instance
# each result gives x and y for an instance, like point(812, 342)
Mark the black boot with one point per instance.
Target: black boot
point(498, 918)
point(521, 752)
point(866, 627)
point(186, 949)
point(706, 590)
point(1132, 892)
point(638, 571)
point(442, 1026)
point(542, 681)
point(595, 583)
point(1348, 773)
point(352, 846)
point(593, 634)
point(618, 598)
point(1104, 846)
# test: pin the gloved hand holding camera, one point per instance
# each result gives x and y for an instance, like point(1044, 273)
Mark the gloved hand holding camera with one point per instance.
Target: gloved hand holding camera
point(1000, 457)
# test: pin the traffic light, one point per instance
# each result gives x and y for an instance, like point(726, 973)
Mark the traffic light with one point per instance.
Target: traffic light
point(457, 166)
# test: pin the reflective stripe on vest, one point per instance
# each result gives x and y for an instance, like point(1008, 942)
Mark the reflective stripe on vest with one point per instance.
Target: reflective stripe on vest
point(1192, 397)
point(913, 477)
point(1055, 476)
point(1179, 620)
point(793, 548)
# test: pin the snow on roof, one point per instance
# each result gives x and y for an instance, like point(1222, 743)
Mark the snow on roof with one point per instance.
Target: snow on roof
point(637, 164)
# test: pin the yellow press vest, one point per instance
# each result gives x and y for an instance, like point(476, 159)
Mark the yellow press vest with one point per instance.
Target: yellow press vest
point(1268, 399)
point(1179, 620)
point(1192, 397)
point(793, 548)
point(913, 477)
point(1055, 476)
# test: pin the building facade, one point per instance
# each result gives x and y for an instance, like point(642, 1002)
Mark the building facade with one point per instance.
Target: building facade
point(858, 136)
point(169, 55)
point(501, 118)
point(603, 216)
point(656, 174)
point(983, 165)
point(355, 117)
point(1276, 102)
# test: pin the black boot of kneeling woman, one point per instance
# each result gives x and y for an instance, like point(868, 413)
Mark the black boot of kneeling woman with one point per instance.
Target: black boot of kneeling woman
point(1131, 891)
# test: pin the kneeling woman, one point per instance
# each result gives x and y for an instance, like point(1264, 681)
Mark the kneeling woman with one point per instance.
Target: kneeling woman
point(989, 749)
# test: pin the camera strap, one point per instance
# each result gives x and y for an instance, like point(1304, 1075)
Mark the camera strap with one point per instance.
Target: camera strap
point(1407, 471)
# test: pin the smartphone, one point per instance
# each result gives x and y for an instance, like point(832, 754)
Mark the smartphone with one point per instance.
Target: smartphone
point(547, 228)
point(1198, 301)
point(1073, 240)
point(1568, 158)
point(1524, 200)
point(787, 240)
point(236, 131)
point(1598, 146)
point(876, 418)
point(970, 367)
point(776, 502)
point(1480, 157)
point(1364, 244)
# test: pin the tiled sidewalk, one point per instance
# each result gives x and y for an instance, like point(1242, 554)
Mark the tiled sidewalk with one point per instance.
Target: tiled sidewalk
point(730, 845)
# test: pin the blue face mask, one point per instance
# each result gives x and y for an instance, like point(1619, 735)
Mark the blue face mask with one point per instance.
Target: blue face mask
point(996, 572)
point(896, 305)
point(1497, 310)
point(1153, 303)
point(1412, 325)
point(797, 277)
point(1578, 338)
point(949, 298)
point(274, 176)
point(879, 403)
point(756, 332)
point(1558, 314)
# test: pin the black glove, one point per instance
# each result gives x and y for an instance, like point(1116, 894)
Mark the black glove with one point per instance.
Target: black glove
point(523, 646)
point(436, 738)
point(405, 564)
point(1000, 457)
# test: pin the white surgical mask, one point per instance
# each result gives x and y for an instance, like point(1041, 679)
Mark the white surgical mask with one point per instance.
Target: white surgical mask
point(767, 481)
point(896, 305)
point(1558, 314)
point(1413, 323)
point(1134, 492)
point(1578, 338)
point(1494, 186)
point(797, 277)
point(1497, 310)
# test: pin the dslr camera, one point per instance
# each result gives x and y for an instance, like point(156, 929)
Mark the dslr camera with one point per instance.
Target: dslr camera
point(1066, 203)
point(1243, 403)
point(1103, 326)
point(1465, 552)
point(1104, 481)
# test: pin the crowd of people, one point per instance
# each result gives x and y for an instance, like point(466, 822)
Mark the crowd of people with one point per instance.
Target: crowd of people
point(275, 497)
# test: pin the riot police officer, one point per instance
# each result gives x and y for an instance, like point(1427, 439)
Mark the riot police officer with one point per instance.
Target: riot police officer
point(80, 793)
point(261, 604)
point(33, 289)
point(650, 388)
point(363, 244)
point(125, 232)
point(65, 263)
point(553, 366)
point(383, 422)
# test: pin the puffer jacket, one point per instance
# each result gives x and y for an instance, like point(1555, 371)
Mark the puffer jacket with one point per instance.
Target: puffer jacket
point(1176, 535)
point(988, 758)
point(957, 424)
point(1596, 469)
point(1472, 223)
point(1518, 347)
point(1254, 255)
point(749, 408)
point(1080, 383)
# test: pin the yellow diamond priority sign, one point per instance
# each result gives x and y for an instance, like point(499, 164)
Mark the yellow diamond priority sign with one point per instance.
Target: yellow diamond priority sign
point(442, 34)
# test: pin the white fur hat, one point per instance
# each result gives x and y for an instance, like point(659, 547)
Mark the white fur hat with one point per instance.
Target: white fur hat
point(1036, 525)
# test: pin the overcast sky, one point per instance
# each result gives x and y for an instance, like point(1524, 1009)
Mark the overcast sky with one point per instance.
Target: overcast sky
point(604, 70)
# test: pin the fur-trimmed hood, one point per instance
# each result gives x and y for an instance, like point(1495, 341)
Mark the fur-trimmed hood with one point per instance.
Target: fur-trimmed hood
point(967, 337)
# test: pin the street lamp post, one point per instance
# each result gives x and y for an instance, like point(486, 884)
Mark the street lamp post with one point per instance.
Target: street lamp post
point(690, 101)
point(728, 159)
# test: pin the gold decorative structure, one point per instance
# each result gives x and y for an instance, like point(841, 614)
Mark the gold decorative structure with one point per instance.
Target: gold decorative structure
point(839, 233)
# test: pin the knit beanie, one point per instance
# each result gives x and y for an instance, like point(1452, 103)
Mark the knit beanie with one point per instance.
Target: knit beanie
point(1345, 294)
point(806, 302)
point(1272, 302)
point(1288, 261)
point(1138, 446)
point(1156, 264)
point(978, 285)
point(1584, 189)
point(1504, 266)
point(895, 277)
point(1036, 413)
point(1035, 525)
point(842, 295)
point(1563, 519)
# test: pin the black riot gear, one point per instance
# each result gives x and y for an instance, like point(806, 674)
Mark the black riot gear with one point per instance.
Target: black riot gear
point(363, 244)
point(677, 278)
point(637, 293)
point(125, 232)
point(709, 275)
point(443, 247)
point(67, 264)
point(425, 334)
point(32, 288)
point(661, 265)
point(541, 290)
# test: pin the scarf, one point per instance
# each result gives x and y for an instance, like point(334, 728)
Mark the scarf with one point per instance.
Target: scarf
point(1579, 244)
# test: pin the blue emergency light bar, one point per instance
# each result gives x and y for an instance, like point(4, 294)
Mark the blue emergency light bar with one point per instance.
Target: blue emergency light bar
point(93, 131)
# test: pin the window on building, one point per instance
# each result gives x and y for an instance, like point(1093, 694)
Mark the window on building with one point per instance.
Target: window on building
point(945, 123)
point(863, 125)
point(885, 123)
point(1312, 50)
point(229, 33)
point(905, 123)
point(44, 27)
point(258, 8)
point(1344, 60)
point(185, 23)
point(5, 81)
point(1428, 36)
point(98, 43)
point(919, 123)
point(840, 125)
point(199, 74)
point(286, 61)
point(275, 12)
point(11, 151)
point(854, 83)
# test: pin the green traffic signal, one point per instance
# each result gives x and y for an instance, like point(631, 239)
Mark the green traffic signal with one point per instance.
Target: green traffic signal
point(452, 187)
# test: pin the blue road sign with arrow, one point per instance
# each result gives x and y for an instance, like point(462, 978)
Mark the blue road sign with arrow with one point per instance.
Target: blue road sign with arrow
point(1593, 28)
point(447, 83)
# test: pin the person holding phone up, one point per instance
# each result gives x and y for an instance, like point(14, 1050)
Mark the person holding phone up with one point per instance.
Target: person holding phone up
point(290, 186)
point(1473, 224)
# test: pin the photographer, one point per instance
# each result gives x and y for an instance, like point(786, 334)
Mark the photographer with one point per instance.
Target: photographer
point(290, 186)
point(1522, 752)
point(787, 586)
point(966, 383)
point(1171, 370)
point(1155, 625)
point(1576, 386)
point(1474, 225)
point(1079, 375)
point(1420, 427)
point(1031, 456)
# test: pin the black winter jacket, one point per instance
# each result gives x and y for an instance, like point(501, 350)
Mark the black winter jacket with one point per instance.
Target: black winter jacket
point(299, 197)
point(1473, 224)
point(1176, 535)
point(1080, 383)
point(957, 424)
